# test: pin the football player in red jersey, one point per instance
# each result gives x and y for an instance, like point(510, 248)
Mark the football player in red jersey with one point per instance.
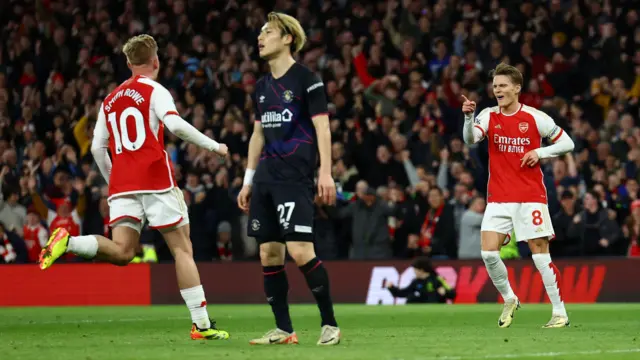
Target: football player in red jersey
point(516, 195)
point(141, 180)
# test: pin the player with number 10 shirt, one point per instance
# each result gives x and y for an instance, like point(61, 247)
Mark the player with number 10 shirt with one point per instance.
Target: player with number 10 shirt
point(142, 187)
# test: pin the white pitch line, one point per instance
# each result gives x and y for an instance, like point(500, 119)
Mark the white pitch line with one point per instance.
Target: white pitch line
point(539, 354)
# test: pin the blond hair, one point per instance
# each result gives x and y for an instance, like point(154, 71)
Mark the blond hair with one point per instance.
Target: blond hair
point(140, 49)
point(509, 71)
point(289, 25)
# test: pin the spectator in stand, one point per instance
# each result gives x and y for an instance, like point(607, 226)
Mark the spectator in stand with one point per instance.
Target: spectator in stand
point(631, 230)
point(436, 231)
point(35, 235)
point(596, 231)
point(369, 230)
point(223, 243)
point(469, 240)
point(12, 248)
point(564, 245)
point(12, 213)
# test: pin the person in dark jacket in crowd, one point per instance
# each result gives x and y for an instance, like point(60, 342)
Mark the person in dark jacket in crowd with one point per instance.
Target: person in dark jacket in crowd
point(596, 231)
point(436, 232)
point(427, 287)
point(369, 229)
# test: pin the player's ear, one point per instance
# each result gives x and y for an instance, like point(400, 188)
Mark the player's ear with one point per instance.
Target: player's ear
point(518, 89)
point(288, 39)
point(156, 63)
point(129, 65)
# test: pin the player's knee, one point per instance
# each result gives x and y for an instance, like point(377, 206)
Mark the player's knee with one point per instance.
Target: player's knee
point(301, 252)
point(491, 241)
point(272, 254)
point(539, 246)
point(124, 255)
point(490, 257)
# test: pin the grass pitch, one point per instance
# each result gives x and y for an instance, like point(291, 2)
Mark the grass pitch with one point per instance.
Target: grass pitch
point(429, 332)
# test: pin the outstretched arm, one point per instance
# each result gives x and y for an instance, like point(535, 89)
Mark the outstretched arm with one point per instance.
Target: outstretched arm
point(165, 109)
point(188, 133)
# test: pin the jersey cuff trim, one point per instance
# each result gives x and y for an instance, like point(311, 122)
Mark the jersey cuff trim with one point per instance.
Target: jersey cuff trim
point(320, 114)
point(557, 136)
point(171, 112)
point(482, 130)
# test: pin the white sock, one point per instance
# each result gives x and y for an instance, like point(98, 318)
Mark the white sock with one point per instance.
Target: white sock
point(498, 273)
point(550, 278)
point(197, 304)
point(85, 246)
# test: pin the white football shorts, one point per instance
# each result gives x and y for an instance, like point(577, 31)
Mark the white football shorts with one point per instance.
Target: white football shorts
point(164, 211)
point(527, 220)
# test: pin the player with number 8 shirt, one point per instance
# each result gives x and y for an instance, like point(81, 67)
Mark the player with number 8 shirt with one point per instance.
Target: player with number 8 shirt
point(142, 186)
point(516, 195)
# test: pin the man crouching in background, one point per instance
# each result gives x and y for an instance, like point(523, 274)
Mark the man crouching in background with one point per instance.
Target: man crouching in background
point(427, 287)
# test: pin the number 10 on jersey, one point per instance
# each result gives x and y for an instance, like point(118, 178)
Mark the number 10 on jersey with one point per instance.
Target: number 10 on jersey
point(121, 132)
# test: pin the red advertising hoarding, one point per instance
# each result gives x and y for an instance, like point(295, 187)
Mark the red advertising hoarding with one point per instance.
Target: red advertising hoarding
point(74, 284)
point(582, 281)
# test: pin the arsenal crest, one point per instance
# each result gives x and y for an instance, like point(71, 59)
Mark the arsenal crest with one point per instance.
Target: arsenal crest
point(523, 126)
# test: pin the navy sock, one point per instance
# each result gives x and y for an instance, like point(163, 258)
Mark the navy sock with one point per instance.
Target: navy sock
point(318, 281)
point(276, 287)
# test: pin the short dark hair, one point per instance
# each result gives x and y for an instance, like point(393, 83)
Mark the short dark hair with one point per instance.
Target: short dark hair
point(423, 263)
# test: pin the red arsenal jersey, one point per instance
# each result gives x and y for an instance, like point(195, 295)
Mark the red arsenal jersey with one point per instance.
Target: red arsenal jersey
point(510, 138)
point(130, 119)
point(35, 237)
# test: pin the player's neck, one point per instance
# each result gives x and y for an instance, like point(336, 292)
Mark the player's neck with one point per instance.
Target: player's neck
point(280, 65)
point(145, 71)
point(511, 108)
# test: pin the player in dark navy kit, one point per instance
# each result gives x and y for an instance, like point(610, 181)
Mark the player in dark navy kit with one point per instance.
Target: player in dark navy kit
point(291, 128)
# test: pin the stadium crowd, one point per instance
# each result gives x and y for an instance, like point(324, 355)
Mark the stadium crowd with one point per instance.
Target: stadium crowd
point(394, 73)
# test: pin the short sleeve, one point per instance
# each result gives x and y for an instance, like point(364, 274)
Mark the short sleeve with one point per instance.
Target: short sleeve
point(315, 94)
point(546, 126)
point(163, 103)
point(481, 122)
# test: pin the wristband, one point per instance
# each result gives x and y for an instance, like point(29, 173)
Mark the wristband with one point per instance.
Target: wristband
point(248, 177)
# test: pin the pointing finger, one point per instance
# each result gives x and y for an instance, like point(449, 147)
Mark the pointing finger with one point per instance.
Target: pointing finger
point(465, 98)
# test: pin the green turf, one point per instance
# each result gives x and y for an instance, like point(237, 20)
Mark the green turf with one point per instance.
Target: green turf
point(452, 332)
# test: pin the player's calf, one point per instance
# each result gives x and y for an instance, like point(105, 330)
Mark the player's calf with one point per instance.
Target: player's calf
point(550, 278)
point(189, 283)
point(318, 281)
point(118, 251)
point(276, 286)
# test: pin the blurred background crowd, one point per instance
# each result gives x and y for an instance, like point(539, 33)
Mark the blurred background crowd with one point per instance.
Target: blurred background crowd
point(394, 73)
